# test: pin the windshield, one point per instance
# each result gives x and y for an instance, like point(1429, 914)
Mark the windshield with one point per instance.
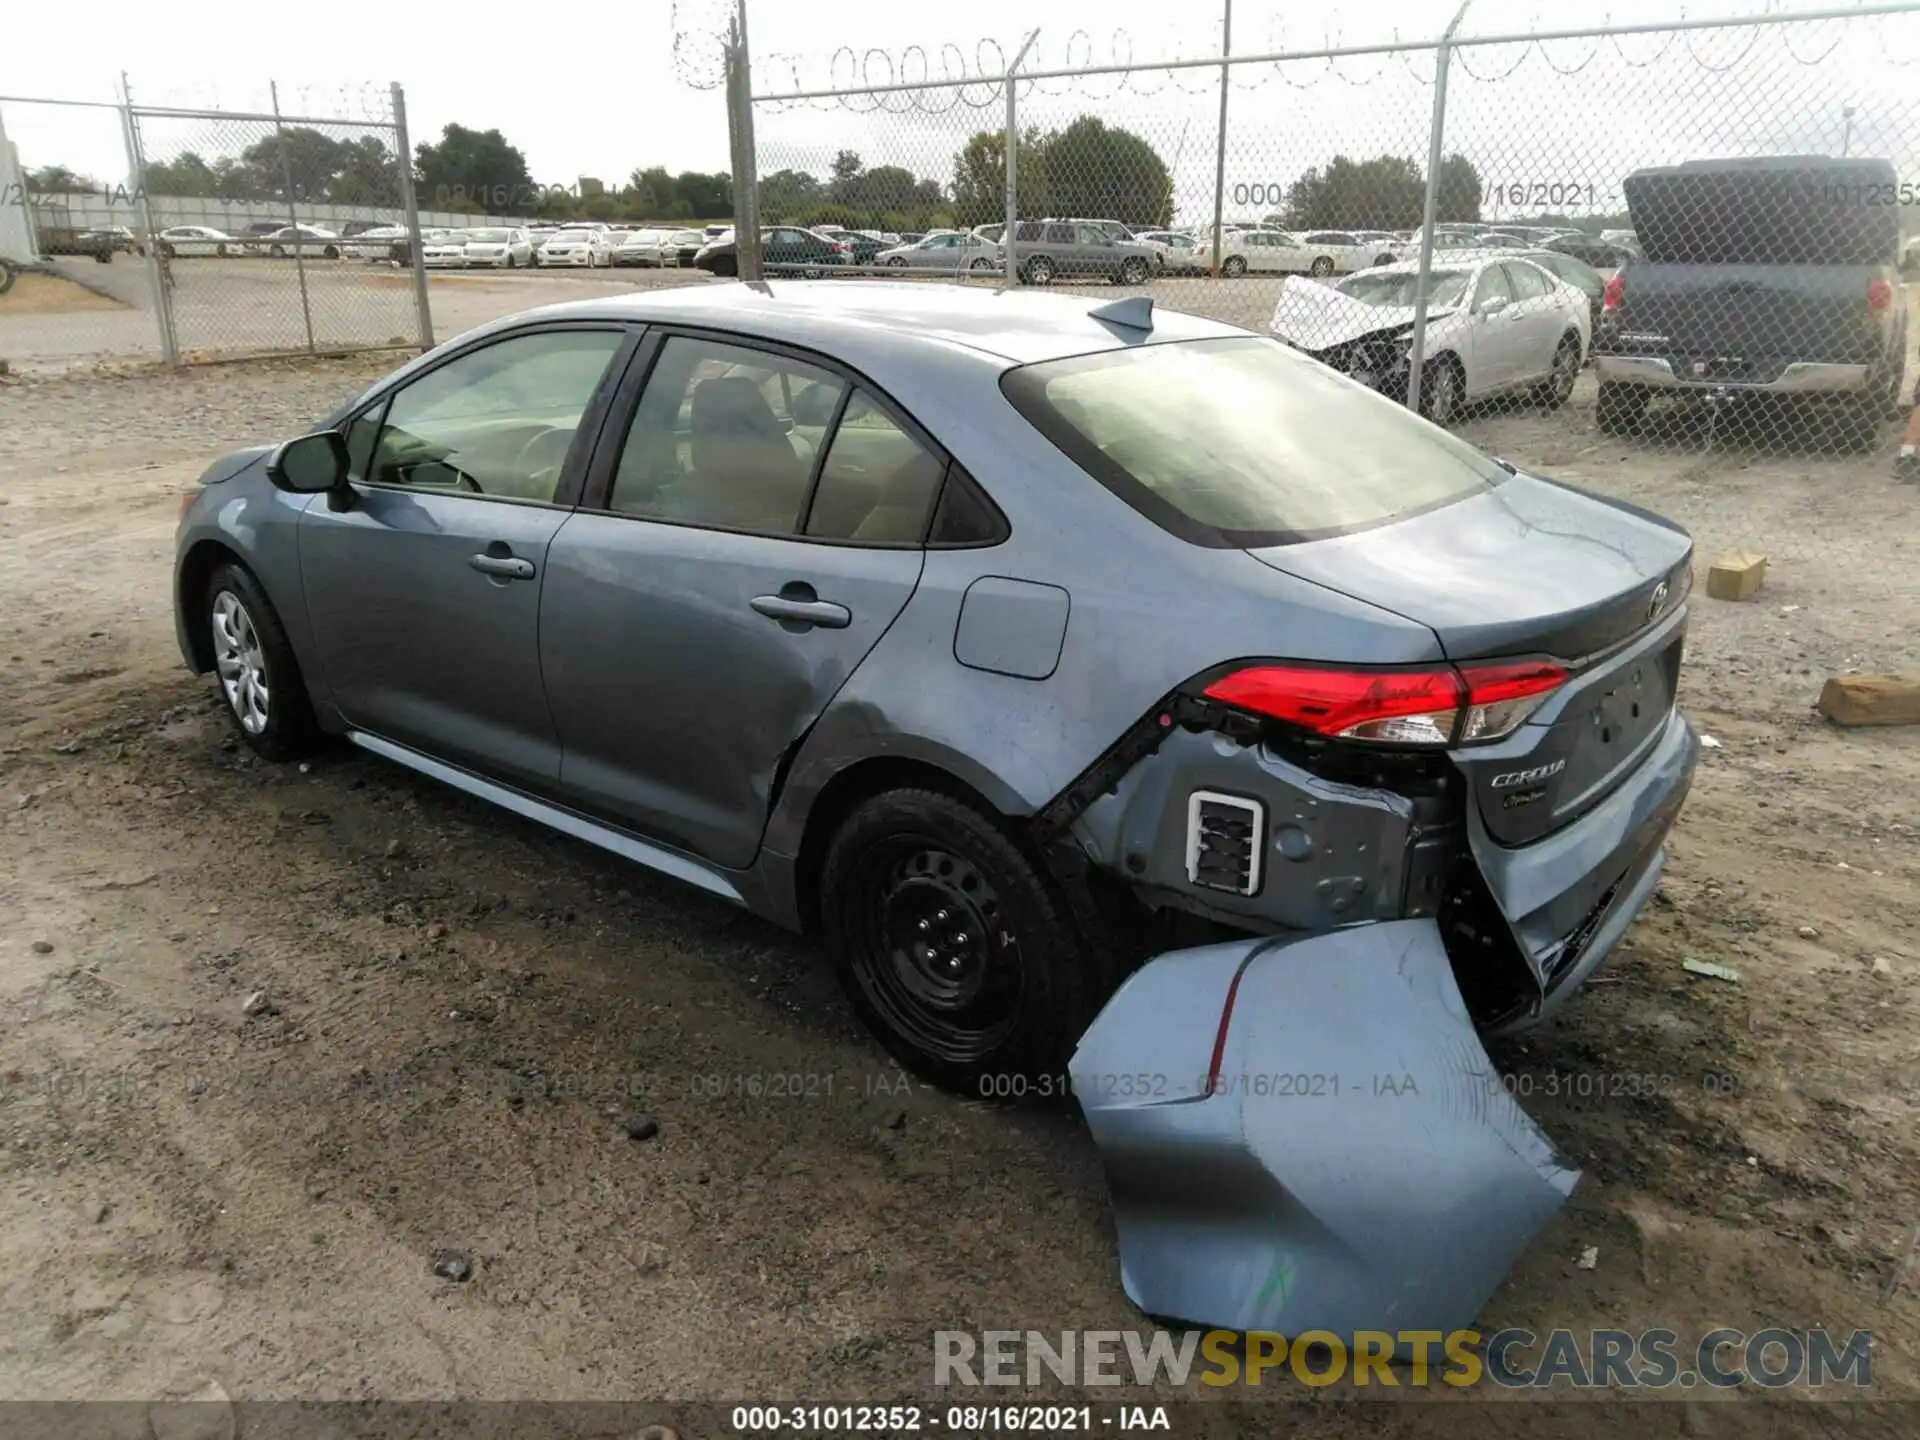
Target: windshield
point(448, 237)
point(1372, 287)
point(1241, 442)
point(488, 237)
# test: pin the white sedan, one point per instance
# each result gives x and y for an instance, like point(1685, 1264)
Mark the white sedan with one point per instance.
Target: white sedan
point(589, 248)
point(1348, 250)
point(499, 249)
point(1493, 326)
point(1264, 252)
point(186, 240)
point(643, 247)
point(304, 239)
point(446, 250)
point(950, 250)
point(1180, 253)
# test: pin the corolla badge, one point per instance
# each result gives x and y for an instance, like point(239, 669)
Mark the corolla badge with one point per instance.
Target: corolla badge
point(1528, 777)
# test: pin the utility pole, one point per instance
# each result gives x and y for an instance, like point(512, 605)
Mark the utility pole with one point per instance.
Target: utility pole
point(1220, 150)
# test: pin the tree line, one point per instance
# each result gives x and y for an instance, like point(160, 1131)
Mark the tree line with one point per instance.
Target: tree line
point(1086, 168)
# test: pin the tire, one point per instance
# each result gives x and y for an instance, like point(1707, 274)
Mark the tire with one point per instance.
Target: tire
point(1322, 267)
point(105, 257)
point(220, 251)
point(1558, 386)
point(983, 263)
point(899, 262)
point(1040, 271)
point(1006, 984)
point(6, 277)
point(1234, 266)
point(276, 252)
point(513, 264)
point(1619, 408)
point(251, 656)
point(1441, 389)
point(331, 252)
point(1133, 272)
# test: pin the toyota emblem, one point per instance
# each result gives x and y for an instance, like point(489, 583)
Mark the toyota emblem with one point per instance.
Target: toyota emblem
point(1658, 601)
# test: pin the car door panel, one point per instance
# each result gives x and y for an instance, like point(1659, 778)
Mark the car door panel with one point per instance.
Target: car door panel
point(425, 593)
point(676, 695)
point(689, 638)
point(1493, 363)
point(421, 645)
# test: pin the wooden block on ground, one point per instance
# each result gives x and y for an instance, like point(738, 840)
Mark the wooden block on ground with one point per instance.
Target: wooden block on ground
point(1871, 699)
point(1736, 577)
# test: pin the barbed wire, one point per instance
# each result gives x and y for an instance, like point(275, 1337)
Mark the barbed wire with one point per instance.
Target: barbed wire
point(976, 82)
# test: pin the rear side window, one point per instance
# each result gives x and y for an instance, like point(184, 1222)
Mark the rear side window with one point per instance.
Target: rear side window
point(878, 482)
point(1241, 442)
point(1528, 282)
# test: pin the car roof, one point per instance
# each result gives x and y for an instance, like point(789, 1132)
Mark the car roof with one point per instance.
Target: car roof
point(868, 324)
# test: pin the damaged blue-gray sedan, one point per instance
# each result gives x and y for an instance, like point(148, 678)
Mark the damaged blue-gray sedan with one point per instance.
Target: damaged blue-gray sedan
point(1120, 694)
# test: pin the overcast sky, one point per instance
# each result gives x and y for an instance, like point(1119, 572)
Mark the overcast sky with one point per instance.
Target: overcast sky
point(600, 92)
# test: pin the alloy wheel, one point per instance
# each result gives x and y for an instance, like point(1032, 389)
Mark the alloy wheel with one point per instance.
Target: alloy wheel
point(241, 664)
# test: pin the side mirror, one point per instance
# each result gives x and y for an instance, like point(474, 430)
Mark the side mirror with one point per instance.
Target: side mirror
point(1493, 304)
point(311, 465)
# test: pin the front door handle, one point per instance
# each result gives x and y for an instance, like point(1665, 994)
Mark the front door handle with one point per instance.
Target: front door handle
point(803, 610)
point(507, 567)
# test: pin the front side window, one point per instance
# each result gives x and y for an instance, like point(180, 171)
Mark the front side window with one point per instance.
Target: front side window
point(1493, 286)
point(725, 436)
point(1242, 442)
point(498, 421)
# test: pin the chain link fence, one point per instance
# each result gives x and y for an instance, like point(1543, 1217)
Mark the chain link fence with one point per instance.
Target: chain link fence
point(1692, 238)
point(270, 225)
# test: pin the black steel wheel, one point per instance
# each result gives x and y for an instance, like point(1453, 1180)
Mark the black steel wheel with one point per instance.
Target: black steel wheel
point(954, 948)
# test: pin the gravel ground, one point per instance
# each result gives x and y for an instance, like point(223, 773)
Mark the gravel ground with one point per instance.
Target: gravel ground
point(459, 1014)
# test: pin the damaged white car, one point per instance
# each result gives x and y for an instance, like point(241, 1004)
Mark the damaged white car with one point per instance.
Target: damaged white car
point(1494, 326)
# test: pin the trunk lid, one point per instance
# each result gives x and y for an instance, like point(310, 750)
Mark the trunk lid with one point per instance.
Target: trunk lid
point(1534, 568)
point(1750, 264)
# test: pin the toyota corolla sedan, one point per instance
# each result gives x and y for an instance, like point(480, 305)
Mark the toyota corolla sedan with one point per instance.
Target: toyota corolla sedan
point(1109, 688)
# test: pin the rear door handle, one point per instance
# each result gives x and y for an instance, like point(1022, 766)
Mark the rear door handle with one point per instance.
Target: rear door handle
point(795, 610)
point(507, 567)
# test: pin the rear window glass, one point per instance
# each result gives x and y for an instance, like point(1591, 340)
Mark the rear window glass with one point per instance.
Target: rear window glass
point(1241, 442)
point(1779, 214)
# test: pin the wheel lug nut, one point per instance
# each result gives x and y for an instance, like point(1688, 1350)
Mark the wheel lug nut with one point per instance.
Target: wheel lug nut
point(961, 938)
point(941, 917)
point(925, 927)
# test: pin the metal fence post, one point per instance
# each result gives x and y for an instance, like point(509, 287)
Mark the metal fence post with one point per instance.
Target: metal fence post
point(410, 202)
point(1011, 143)
point(157, 276)
point(1220, 148)
point(293, 216)
point(1416, 356)
point(746, 175)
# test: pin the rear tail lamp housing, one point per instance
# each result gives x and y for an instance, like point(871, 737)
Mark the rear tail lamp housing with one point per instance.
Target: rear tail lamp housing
point(1429, 705)
point(1614, 293)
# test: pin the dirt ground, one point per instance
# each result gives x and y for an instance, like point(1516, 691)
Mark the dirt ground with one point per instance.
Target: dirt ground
point(50, 295)
point(462, 1012)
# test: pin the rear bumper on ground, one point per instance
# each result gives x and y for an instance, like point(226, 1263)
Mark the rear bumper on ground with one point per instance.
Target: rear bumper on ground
point(1306, 1134)
point(1800, 377)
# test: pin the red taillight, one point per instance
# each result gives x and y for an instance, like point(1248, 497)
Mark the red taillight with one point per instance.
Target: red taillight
point(1615, 292)
point(1879, 294)
point(1435, 705)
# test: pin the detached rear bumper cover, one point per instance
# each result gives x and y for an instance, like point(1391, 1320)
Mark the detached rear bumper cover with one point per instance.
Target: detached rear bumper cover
point(1357, 1164)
